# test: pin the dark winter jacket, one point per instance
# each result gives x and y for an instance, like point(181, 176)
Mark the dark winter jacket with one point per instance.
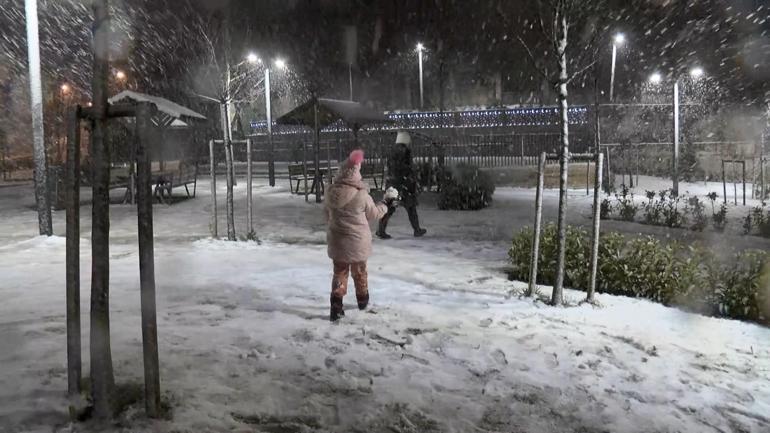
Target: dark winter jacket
point(401, 174)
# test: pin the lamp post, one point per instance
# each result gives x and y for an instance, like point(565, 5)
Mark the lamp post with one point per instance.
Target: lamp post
point(280, 64)
point(419, 59)
point(656, 78)
point(42, 199)
point(617, 40)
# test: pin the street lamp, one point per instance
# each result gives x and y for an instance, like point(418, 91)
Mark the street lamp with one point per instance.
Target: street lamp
point(280, 64)
point(419, 59)
point(696, 72)
point(253, 58)
point(65, 88)
point(616, 41)
point(120, 75)
point(656, 78)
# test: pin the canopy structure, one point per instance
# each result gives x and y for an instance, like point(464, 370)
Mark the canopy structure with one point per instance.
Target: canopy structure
point(318, 113)
point(170, 114)
point(353, 114)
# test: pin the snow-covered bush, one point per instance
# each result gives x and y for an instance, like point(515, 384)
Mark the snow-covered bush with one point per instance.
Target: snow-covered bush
point(465, 187)
point(645, 267)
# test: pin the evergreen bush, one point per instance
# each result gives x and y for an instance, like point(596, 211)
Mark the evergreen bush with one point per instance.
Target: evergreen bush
point(645, 267)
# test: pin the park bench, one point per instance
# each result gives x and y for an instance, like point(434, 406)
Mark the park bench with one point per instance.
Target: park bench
point(297, 177)
point(175, 174)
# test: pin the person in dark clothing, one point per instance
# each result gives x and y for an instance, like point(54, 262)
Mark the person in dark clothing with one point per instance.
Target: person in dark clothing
point(402, 177)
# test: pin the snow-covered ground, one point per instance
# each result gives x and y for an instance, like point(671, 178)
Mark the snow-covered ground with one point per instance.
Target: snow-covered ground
point(245, 343)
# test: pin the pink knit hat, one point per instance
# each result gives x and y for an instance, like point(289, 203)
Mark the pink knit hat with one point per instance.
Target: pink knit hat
point(356, 157)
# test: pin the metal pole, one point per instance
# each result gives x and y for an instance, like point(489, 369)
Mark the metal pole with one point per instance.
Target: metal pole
point(249, 210)
point(597, 222)
point(531, 288)
point(42, 198)
point(724, 183)
point(422, 101)
point(350, 76)
point(147, 262)
point(743, 174)
point(213, 172)
point(735, 183)
point(269, 117)
point(675, 156)
point(317, 156)
point(74, 355)
point(612, 73)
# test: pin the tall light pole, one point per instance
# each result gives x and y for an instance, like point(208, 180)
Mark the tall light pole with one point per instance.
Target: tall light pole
point(656, 78)
point(42, 199)
point(616, 41)
point(280, 64)
point(419, 59)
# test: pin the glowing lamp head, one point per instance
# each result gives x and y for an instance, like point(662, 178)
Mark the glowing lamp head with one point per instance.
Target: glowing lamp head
point(619, 38)
point(420, 47)
point(280, 63)
point(252, 58)
point(65, 88)
point(656, 78)
point(120, 75)
point(696, 72)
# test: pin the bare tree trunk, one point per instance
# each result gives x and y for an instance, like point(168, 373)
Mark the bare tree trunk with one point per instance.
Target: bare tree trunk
point(531, 288)
point(318, 181)
point(558, 288)
point(144, 133)
point(229, 176)
point(213, 173)
point(596, 226)
point(102, 379)
point(42, 195)
point(74, 355)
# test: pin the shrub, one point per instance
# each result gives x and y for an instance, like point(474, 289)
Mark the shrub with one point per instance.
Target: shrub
point(605, 209)
point(720, 218)
point(645, 267)
point(698, 210)
point(626, 206)
point(465, 188)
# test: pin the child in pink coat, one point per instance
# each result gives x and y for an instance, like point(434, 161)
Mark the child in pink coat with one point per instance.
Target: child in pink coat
point(349, 208)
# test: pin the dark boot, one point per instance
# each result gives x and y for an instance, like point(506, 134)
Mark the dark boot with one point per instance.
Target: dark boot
point(363, 301)
point(415, 221)
point(383, 225)
point(337, 310)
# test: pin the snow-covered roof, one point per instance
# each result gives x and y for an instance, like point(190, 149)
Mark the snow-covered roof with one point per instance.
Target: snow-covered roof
point(164, 105)
point(354, 114)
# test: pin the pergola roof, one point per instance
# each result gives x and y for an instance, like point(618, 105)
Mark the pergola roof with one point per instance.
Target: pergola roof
point(354, 114)
point(175, 114)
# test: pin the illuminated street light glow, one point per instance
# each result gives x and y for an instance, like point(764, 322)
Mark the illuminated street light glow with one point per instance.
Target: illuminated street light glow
point(253, 58)
point(65, 88)
point(120, 75)
point(620, 38)
point(696, 72)
point(280, 63)
point(419, 46)
point(656, 78)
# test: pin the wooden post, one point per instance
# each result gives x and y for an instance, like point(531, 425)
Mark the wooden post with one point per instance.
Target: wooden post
point(735, 183)
point(74, 362)
point(144, 132)
point(531, 288)
point(249, 211)
point(102, 378)
point(597, 222)
point(213, 173)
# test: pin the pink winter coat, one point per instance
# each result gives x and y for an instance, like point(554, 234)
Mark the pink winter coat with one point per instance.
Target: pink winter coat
point(349, 208)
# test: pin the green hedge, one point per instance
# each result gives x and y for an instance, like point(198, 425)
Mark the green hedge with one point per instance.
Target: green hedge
point(465, 187)
point(665, 272)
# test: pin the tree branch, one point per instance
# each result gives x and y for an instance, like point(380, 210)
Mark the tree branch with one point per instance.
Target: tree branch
point(532, 58)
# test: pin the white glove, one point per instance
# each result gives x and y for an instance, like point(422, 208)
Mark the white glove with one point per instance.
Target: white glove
point(391, 194)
